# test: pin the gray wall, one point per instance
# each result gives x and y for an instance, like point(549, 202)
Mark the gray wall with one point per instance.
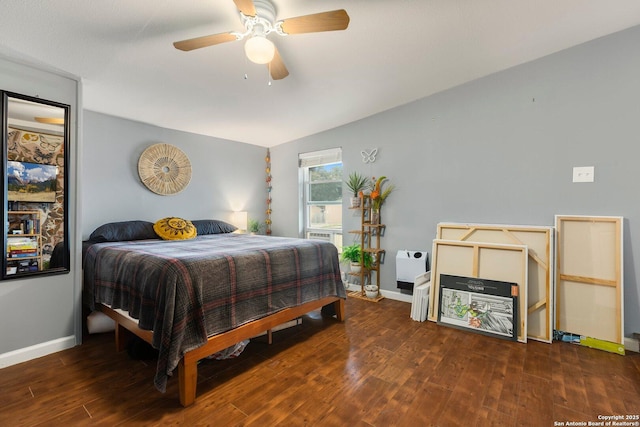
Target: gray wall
point(226, 175)
point(500, 150)
point(42, 310)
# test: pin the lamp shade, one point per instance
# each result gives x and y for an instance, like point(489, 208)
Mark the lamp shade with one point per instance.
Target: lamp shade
point(240, 220)
point(259, 49)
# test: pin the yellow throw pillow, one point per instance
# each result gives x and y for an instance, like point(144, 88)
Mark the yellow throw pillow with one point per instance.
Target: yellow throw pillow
point(172, 228)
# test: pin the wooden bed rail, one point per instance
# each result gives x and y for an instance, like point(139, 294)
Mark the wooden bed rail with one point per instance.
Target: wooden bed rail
point(188, 365)
point(125, 326)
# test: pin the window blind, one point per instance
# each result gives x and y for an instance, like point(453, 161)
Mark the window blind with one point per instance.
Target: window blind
point(316, 158)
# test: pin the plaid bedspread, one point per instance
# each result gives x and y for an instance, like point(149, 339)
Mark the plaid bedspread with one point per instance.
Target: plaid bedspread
point(188, 290)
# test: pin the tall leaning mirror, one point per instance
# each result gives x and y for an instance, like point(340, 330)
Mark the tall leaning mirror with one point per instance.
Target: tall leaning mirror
point(35, 145)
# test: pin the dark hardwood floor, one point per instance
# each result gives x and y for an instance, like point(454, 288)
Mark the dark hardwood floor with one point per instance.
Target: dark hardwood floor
point(379, 368)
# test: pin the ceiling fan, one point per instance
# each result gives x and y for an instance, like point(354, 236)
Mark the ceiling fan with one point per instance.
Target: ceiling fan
point(258, 18)
point(50, 120)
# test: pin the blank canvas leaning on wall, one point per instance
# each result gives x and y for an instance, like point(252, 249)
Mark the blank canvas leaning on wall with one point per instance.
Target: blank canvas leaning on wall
point(589, 277)
point(540, 284)
point(507, 263)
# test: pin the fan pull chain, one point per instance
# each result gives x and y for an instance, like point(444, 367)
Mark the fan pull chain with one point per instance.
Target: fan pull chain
point(269, 75)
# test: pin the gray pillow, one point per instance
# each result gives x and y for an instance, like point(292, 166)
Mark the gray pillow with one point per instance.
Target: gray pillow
point(123, 231)
point(213, 226)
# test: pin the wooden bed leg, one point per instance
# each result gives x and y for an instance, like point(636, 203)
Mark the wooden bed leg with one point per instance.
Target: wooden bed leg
point(270, 336)
point(122, 337)
point(188, 379)
point(339, 307)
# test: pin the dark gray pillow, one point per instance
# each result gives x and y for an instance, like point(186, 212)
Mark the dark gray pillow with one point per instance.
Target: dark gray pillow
point(123, 231)
point(213, 226)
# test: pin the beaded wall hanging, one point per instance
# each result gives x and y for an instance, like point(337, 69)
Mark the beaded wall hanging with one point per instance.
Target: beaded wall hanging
point(268, 211)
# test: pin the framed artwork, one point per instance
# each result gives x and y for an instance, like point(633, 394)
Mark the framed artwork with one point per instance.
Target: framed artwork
point(487, 307)
point(31, 182)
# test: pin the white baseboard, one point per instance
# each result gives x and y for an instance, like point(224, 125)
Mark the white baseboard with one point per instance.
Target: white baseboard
point(631, 344)
point(35, 351)
point(387, 294)
point(396, 296)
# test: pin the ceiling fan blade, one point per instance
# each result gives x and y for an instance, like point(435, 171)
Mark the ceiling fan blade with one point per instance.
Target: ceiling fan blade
point(50, 120)
point(324, 21)
point(246, 7)
point(204, 41)
point(277, 68)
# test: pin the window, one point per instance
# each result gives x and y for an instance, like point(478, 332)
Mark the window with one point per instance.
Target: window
point(321, 207)
point(324, 197)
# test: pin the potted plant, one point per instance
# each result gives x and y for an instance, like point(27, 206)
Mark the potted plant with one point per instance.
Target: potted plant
point(356, 183)
point(371, 291)
point(253, 225)
point(352, 253)
point(378, 195)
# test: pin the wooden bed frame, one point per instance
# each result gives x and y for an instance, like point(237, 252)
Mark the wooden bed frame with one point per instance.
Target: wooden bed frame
point(188, 365)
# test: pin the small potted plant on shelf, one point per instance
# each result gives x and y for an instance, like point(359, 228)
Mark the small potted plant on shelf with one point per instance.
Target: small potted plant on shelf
point(352, 253)
point(378, 196)
point(356, 183)
point(371, 291)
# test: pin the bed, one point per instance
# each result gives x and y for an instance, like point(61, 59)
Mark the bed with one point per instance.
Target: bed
point(192, 298)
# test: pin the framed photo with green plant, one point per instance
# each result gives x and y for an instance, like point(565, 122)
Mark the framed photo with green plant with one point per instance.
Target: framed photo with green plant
point(484, 306)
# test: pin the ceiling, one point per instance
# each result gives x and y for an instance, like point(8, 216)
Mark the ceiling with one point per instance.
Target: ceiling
point(393, 52)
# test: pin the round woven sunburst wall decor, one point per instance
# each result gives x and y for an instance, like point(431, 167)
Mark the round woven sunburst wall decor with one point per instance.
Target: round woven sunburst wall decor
point(164, 169)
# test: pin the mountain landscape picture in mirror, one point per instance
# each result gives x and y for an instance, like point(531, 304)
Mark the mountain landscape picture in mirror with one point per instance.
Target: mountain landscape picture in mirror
point(31, 182)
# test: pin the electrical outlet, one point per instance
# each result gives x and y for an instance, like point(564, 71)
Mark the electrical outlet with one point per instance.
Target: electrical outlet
point(583, 173)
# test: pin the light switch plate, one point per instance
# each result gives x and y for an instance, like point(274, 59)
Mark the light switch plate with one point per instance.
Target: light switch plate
point(583, 173)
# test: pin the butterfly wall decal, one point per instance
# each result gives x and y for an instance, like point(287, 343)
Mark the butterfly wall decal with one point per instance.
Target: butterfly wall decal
point(369, 157)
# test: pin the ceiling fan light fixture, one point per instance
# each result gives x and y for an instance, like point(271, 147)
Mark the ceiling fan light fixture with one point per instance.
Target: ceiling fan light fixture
point(259, 49)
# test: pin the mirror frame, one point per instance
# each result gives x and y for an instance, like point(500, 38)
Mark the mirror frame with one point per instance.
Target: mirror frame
point(66, 261)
